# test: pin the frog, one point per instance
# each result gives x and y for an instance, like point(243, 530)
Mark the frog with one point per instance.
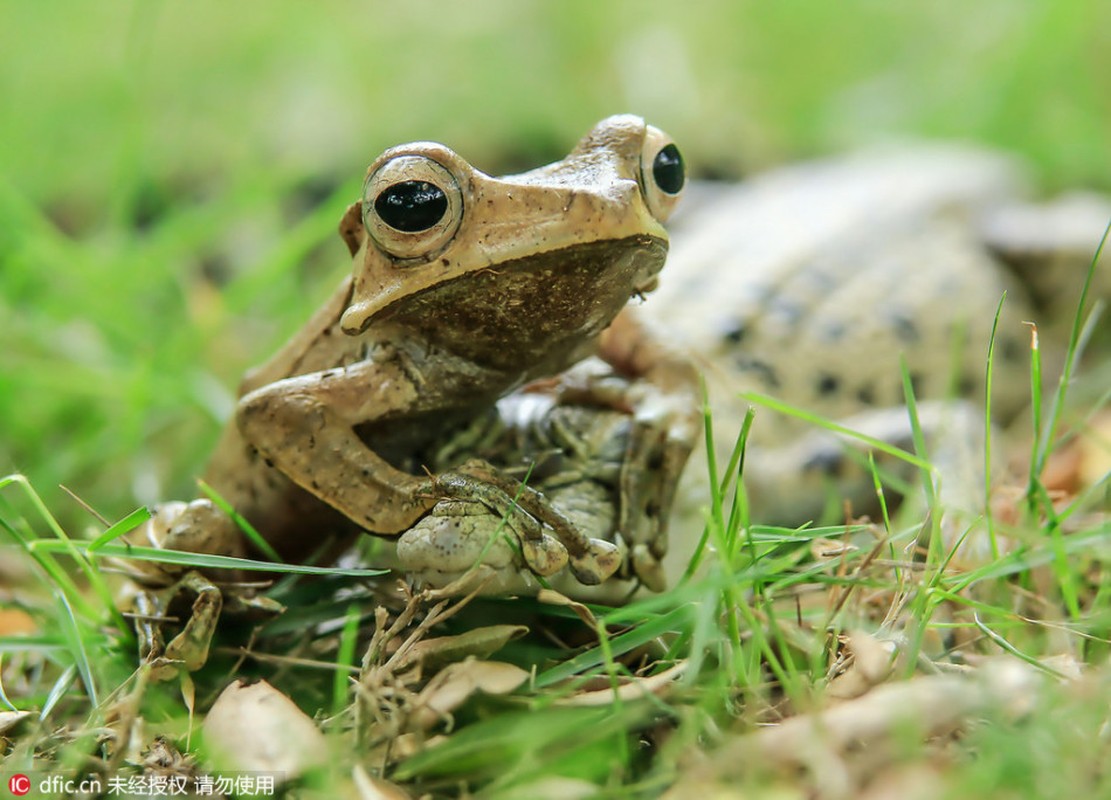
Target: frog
point(464, 287)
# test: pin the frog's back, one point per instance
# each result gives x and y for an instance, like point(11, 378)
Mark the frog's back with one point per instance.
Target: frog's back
point(810, 283)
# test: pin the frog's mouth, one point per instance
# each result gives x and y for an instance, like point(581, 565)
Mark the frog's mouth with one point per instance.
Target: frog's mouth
point(537, 310)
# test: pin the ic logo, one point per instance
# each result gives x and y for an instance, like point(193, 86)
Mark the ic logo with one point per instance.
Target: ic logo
point(19, 784)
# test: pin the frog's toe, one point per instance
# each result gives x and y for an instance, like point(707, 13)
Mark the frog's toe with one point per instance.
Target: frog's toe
point(545, 556)
point(452, 540)
point(648, 569)
point(599, 561)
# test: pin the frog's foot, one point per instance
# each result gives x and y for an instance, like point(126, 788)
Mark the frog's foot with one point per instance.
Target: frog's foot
point(188, 650)
point(664, 429)
point(198, 527)
point(459, 537)
point(648, 480)
point(591, 560)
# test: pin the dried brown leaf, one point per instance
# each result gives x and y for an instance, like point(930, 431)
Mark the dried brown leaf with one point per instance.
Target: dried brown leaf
point(453, 685)
point(934, 705)
point(871, 665)
point(9, 719)
point(444, 650)
point(1096, 450)
point(256, 728)
point(14, 622)
point(554, 598)
point(371, 788)
point(824, 549)
point(633, 688)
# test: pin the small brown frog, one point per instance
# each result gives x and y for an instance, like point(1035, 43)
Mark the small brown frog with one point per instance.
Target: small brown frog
point(464, 288)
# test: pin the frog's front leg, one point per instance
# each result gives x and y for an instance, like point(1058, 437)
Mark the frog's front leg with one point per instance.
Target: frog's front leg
point(306, 427)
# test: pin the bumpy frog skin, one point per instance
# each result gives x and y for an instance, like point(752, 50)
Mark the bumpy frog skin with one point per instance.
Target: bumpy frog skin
point(464, 288)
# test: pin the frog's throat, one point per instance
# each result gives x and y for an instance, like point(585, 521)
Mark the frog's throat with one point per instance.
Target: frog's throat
point(532, 310)
point(569, 291)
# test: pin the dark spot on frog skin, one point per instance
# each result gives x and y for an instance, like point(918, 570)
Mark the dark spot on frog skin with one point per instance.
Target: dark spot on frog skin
point(905, 329)
point(866, 394)
point(787, 310)
point(828, 385)
point(832, 331)
point(1011, 349)
point(763, 369)
point(827, 462)
point(966, 385)
point(733, 332)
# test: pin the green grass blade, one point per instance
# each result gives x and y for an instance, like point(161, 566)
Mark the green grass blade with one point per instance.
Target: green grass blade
point(1045, 441)
point(58, 690)
point(249, 530)
point(78, 649)
point(118, 529)
point(989, 374)
point(623, 643)
point(815, 419)
point(345, 657)
point(200, 560)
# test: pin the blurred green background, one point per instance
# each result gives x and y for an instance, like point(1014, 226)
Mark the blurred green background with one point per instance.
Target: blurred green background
point(171, 173)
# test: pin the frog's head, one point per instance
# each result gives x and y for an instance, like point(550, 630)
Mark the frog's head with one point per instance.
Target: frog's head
point(512, 268)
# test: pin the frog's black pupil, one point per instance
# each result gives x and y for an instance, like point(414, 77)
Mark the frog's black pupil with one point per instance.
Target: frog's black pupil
point(411, 206)
point(667, 169)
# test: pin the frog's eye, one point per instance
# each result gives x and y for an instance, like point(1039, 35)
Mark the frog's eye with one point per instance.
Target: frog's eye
point(661, 173)
point(412, 207)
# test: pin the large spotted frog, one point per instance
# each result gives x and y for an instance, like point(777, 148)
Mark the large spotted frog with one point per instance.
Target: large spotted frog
point(464, 288)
